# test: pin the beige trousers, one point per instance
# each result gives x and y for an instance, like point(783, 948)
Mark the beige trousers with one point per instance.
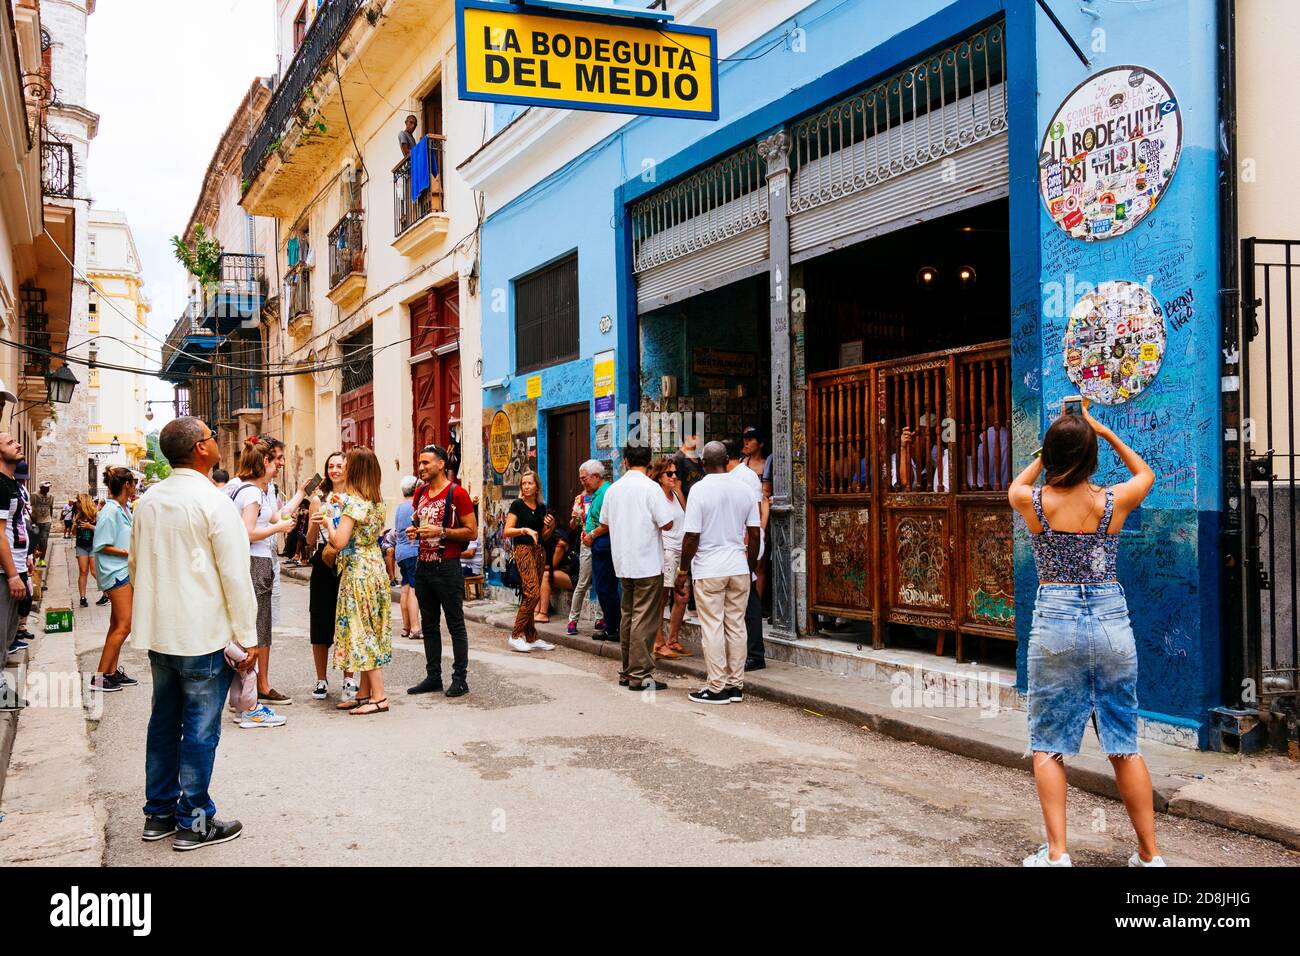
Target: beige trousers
point(643, 603)
point(720, 603)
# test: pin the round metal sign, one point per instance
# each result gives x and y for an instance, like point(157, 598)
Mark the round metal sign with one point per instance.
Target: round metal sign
point(1115, 342)
point(500, 442)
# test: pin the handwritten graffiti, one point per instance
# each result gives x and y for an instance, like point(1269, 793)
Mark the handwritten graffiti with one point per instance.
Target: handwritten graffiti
point(921, 560)
point(998, 608)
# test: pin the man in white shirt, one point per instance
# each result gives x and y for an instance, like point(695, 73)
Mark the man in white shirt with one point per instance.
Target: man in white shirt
point(189, 565)
point(756, 656)
point(721, 545)
point(633, 514)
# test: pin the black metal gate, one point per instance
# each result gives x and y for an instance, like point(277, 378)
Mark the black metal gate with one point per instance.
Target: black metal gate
point(1270, 287)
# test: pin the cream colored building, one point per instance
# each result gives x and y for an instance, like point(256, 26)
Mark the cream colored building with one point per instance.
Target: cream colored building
point(366, 267)
point(217, 351)
point(1268, 204)
point(118, 315)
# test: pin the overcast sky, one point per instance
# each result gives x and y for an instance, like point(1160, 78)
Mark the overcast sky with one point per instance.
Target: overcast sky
point(165, 76)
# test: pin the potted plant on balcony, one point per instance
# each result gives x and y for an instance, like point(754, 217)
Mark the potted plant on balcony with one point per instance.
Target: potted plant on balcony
point(203, 261)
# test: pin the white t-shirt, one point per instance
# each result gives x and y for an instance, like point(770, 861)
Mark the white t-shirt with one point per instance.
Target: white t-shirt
point(747, 477)
point(719, 510)
point(243, 494)
point(634, 510)
point(673, 536)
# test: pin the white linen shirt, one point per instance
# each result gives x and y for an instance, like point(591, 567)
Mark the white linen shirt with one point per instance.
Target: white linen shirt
point(189, 566)
point(635, 509)
point(719, 510)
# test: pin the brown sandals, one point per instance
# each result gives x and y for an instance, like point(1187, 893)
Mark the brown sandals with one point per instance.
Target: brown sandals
point(379, 707)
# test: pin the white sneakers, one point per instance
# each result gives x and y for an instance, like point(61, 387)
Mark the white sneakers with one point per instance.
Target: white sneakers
point(1041, 859)
point(350, 687)
point(321, 690)
point(523, 647)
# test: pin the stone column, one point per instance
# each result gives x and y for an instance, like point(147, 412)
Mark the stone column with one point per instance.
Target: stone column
point(775, 151)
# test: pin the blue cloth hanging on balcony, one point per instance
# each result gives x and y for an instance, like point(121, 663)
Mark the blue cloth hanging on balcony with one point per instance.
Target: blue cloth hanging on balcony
point(423, 168)
point(292, 252)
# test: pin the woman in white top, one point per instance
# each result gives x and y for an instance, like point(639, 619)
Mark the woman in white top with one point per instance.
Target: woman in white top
point(664, 472)
point(258, 509)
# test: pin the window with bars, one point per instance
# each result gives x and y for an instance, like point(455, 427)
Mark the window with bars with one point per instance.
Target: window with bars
point(360, 367)
point(546, 315)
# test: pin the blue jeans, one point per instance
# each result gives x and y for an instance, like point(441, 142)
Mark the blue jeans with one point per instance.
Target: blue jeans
point(605, 581)
point(1082, 663)
point(184, 729)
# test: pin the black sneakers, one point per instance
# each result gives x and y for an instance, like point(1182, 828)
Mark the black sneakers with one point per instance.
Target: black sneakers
point(648, 685)
point(103, 599)
point(157, 828)
point(458, 688)
point(85, 603)
point(207, 833)
point(706, 696)
point(121, 678)
point(427, 686)
point(755, 663)
point(736, 695)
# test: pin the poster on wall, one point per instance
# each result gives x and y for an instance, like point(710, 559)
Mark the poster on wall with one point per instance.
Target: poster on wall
point(602, 386)
point(509, 449)
point(1110, 152)
point(1115, 342)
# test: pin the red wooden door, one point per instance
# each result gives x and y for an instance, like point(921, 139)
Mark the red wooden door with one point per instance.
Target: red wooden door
point(357, 417)
point(435, 380)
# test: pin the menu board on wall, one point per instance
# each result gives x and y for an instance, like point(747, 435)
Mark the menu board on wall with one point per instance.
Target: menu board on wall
point(1110, 152)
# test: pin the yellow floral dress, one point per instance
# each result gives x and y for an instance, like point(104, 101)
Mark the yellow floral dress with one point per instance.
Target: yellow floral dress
point(363, 638)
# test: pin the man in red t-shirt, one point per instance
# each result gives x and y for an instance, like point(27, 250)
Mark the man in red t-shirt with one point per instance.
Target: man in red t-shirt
point(439, 583)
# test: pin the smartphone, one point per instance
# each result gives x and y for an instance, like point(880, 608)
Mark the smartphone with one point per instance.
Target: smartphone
point(1072, 406)
point(313, 483)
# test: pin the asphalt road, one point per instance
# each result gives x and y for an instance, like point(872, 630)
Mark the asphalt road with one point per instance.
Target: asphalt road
point(549, 761)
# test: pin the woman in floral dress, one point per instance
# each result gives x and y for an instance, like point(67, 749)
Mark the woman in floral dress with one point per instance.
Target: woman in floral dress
point(363, 639)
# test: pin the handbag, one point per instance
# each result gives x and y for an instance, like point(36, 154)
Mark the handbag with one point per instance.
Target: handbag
point(511, 578)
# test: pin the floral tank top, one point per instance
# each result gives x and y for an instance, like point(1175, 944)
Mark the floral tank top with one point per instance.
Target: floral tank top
point(1075, 557)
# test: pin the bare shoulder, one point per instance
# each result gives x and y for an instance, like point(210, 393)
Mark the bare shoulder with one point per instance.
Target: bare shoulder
point(1021, 496)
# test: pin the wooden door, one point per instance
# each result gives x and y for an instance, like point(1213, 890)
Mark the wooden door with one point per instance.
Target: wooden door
point(568, 445)
point(435, 379)
point(357, 417)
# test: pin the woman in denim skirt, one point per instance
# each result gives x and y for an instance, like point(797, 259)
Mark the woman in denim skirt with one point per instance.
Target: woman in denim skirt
point(1082, 657)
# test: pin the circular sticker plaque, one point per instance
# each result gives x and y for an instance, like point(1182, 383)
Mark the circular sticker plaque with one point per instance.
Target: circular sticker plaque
point(499, 442)
point(1110, 152)
point(1115, 342)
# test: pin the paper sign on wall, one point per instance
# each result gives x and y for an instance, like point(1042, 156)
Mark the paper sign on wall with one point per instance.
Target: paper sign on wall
point(602, 386)
point(534, 386)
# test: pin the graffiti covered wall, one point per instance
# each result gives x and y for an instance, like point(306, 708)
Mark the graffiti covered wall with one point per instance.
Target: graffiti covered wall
point(1128, 230)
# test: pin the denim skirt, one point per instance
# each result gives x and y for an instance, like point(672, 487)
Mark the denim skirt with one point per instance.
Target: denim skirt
point(1082, 664)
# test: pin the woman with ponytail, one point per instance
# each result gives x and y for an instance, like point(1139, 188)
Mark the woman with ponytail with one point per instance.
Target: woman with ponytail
point(111, 547)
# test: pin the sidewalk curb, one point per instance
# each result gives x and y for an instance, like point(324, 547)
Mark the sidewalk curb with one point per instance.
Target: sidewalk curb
point(1092, 774)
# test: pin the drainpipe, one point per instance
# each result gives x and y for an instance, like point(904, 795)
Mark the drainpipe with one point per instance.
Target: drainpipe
point(1238, 656)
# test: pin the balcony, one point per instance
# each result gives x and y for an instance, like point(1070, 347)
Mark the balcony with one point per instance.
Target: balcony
point(58, 172)
point(297, 307)
point(187, 344)
point(235, 300)
point(418, 218)
point(347, 259)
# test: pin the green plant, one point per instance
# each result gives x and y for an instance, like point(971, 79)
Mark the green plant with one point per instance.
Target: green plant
point(204, 260)
point(157, 467)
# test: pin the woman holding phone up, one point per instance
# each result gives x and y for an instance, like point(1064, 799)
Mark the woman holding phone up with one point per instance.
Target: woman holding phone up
point(1082, 656)
point(324, 590)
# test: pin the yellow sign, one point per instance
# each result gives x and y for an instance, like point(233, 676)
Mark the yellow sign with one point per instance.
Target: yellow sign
point(584, 61)
point(499, 442)
point(534, 386)
point(602, 385)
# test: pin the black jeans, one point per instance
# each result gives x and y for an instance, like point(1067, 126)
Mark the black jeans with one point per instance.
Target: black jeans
point(440, 588)
point(754, 623)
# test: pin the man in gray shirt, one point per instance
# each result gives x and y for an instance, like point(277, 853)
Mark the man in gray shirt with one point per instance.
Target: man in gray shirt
point(406, 138)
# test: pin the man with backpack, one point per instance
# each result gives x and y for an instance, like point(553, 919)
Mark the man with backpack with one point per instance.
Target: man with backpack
point(442, 521)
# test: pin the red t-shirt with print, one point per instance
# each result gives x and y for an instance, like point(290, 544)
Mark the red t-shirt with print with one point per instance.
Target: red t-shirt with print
point(428, 510)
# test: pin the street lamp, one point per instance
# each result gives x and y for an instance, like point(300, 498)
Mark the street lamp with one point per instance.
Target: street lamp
point(59, 385)
point(115, 446)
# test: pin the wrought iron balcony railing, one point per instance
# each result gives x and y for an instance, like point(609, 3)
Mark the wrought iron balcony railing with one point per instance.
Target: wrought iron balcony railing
point(58, 173)
point(299, 283)
point(332, 20)
point(347, 247)
point(175, 355)
point(412, 202)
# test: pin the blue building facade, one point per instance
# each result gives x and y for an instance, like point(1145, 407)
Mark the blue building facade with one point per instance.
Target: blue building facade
point(1154, 249)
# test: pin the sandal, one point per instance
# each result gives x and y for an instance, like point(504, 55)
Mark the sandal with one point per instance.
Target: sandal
point(377, 707)
point(666, 653)
point(679, 650)
point(541, 620)
point(405, 633)
point(351, 704)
